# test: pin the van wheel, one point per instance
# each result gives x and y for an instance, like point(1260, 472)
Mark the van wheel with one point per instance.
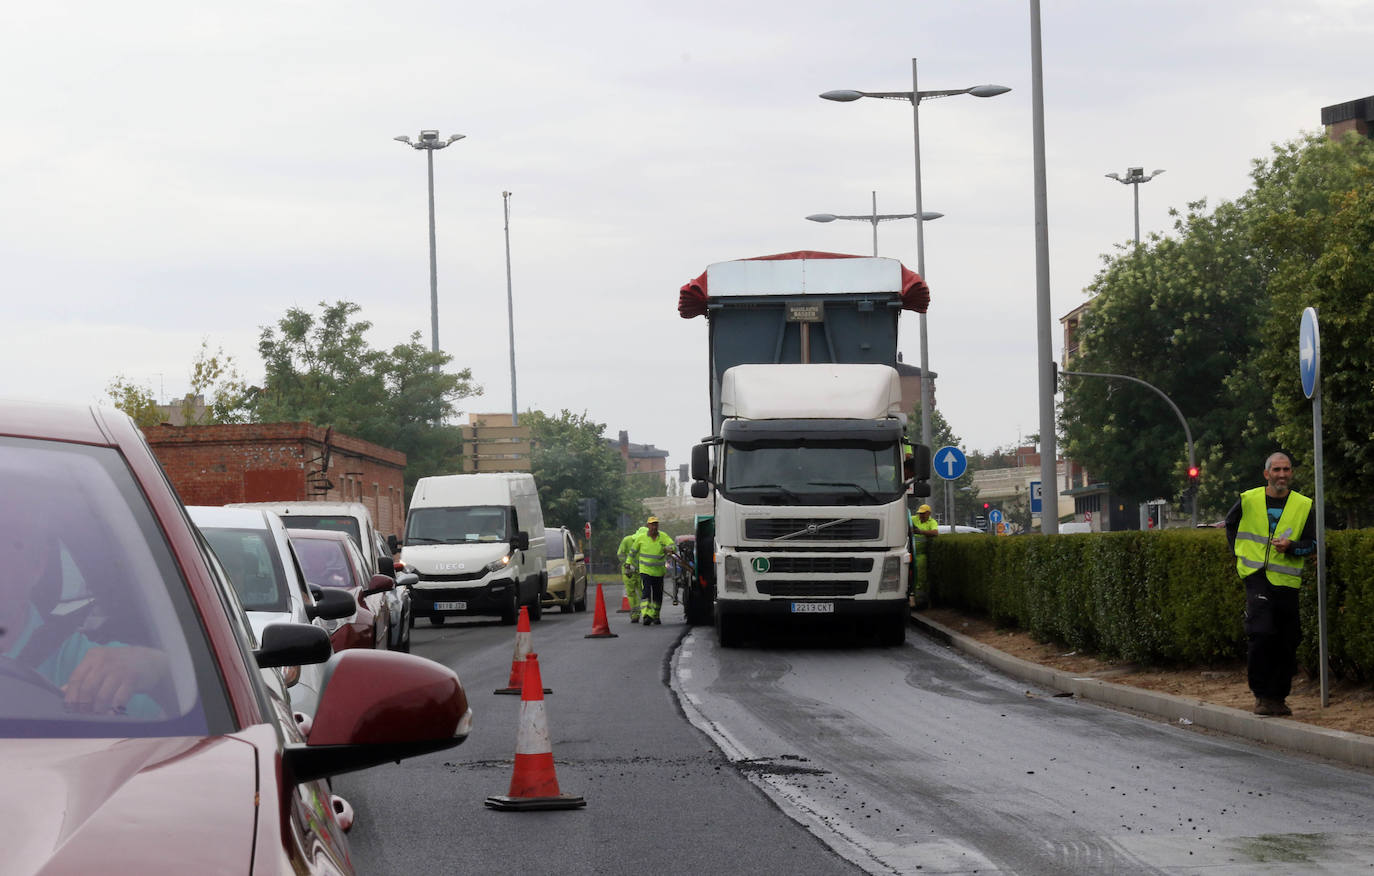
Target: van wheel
point(436, 620)
point(511, 612)
point(536, 608)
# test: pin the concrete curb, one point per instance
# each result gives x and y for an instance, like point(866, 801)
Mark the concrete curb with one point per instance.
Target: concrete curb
point(1338, 745)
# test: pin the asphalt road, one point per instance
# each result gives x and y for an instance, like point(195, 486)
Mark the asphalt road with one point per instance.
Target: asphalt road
point(920, 760)
point(661, 798)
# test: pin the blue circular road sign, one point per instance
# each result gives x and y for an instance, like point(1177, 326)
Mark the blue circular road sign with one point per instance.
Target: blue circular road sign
point(995, 516)
point(1309, 352)
point(950, 462)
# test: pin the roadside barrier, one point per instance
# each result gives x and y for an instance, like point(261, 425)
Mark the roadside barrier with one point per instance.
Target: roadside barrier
point(534, 783)
point(523, 638)
point(601, 627)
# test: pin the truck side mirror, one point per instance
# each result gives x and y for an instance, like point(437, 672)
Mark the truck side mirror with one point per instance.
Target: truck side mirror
point(920, 457)
point(700, 489)
point(701, 465)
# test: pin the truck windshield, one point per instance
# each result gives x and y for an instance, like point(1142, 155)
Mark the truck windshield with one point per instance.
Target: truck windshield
point(469, 525)
point(830, 473)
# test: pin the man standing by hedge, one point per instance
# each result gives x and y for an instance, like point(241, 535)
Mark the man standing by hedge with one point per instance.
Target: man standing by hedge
point(1269, 561)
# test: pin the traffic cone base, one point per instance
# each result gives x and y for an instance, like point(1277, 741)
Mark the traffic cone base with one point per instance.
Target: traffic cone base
point(534, 784)
point(601, 627)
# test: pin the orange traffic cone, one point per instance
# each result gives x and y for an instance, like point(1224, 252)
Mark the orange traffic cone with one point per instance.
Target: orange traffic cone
point(601, 627)
point(624, 605)
point(522, 649)
point(533, 785)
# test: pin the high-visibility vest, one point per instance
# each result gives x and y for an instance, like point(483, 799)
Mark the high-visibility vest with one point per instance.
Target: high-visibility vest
point(930, 524)
point(651, 553)
point(1253, 550)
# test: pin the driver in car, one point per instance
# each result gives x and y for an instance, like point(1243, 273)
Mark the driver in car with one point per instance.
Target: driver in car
point(92, 677)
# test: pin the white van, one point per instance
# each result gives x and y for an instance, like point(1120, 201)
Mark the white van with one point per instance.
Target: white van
point(477, 543)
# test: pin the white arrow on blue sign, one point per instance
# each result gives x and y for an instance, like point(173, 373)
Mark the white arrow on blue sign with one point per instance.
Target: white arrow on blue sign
point(950, 462)
point(1309, 351)
point(995, 516)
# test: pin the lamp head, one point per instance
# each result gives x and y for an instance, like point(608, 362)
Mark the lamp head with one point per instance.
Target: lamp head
point(843, 95)
point(988, 90)
point(403, 139)
point(822, 217)
point(429, 136)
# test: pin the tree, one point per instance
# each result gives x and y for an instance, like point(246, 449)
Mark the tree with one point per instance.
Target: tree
point(134, 400)
point(321, 369)
point(216, 379)
point(572, 461)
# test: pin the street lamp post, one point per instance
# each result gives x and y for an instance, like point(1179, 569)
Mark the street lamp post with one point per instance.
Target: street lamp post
point(875, 217)
point(429, 141)
point(914, 97)
point(510, 313)
point(1134, 177)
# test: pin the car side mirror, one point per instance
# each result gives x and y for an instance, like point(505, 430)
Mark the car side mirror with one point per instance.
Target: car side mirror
point(394, 543)
point(521, 542)
point(293, 645)
point(379, 706)
point(379, 584)
point(330, 604)
point(406, 579)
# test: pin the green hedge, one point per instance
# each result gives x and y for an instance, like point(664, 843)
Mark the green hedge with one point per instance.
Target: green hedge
point(1163, 598)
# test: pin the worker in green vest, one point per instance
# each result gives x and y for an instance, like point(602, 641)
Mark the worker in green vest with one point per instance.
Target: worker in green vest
point(650, 550)
point(924, 527)
point(1271, 532)
point(629, 574)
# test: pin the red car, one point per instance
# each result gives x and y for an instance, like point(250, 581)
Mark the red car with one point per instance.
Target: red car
point(329, 558)
point(138, 733)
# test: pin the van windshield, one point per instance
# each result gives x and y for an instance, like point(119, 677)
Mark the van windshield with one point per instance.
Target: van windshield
point(477, 523)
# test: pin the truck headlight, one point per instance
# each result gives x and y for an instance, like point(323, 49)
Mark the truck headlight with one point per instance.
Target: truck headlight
point(734, 574)
point(892, 575)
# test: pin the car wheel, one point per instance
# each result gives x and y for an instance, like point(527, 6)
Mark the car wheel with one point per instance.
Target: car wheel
point(581, 604)
point(570, 605)
point(404, 645)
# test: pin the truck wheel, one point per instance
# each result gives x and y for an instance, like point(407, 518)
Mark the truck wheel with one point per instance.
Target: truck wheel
point(892, 633)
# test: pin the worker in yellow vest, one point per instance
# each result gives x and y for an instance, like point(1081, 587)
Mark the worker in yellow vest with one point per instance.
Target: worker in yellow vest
point(1271, 531)
point(629, 574)
point(650, 549)
point(924, 528)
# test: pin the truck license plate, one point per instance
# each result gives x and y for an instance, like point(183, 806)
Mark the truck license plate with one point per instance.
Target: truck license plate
point(813, 608)
point(450, 606)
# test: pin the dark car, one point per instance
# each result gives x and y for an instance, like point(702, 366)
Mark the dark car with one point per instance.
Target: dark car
point(331, 559)
point(138, 733)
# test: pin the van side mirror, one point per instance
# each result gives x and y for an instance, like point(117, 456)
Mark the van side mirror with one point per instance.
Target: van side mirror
point(386, 566)
point(394, 543)
point(701, 463)
point(521, 542)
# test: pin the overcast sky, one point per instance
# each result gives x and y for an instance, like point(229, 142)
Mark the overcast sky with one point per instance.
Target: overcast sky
point(176, 172)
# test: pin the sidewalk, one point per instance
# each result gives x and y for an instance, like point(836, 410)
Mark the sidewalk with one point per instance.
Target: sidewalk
point(1337, 745)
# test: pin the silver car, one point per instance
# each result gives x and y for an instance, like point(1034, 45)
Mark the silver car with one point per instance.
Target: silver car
point(252, 547)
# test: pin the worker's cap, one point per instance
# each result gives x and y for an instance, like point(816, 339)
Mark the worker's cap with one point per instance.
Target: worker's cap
point(924, 509)
point(652, 520)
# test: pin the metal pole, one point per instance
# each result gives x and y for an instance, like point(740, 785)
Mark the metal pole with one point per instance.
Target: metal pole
point(875, 224)
point(433, 264)
point(510, 313)
point(920, 257)
point(1049, 517)
point(1321, 537)
point(1135, 187)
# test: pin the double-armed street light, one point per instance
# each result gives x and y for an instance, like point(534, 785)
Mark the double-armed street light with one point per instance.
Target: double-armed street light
point(429, 141)
point(1134, 177)
point(914, 97)
point(875, 217)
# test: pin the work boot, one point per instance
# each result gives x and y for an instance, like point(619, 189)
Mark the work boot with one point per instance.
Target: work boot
point(658, 620)
point(1265, 707)
point(634, 618)
point(1281, 707)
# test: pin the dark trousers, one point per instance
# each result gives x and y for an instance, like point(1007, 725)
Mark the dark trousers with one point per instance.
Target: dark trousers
point(653, 588)
point(1275, 630)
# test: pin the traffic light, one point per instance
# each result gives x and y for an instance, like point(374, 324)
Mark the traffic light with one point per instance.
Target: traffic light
point(986, 506)
point(587, 507)
point(1194, 475)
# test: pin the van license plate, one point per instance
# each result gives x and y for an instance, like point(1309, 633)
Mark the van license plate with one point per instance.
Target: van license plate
point(813, 608)
point(450, 606)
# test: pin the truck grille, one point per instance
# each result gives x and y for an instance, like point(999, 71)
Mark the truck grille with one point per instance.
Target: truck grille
point(777, 587)
point(800, 528)
point(820, 565)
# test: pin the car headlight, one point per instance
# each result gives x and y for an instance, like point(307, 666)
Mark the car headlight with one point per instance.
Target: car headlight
point(892, 575)
point(498, 565)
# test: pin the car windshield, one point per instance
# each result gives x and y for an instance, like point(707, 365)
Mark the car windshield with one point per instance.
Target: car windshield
point(331, 522)
point(553, 544)
point(89, 590)
point(817, 473)
point(250, 559)
point(324, 561)
point(477, 523)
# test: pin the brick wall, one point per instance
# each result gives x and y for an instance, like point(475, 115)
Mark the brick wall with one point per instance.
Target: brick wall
point(276, 462)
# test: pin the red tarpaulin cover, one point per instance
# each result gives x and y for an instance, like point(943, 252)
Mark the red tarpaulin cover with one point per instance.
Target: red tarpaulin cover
point(691, 300)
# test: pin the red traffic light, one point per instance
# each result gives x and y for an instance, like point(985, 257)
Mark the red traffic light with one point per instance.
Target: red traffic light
point(1193, 472)
point(986, 506)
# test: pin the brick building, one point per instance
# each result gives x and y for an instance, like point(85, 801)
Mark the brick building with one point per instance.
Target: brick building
point(282, 462)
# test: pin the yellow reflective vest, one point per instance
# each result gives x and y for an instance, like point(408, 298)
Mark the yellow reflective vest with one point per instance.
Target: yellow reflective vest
point(929, 525)
point(1253, 548)
point(650, 555)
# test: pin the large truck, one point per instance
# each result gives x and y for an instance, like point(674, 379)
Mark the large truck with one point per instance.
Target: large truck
point(808, 463)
